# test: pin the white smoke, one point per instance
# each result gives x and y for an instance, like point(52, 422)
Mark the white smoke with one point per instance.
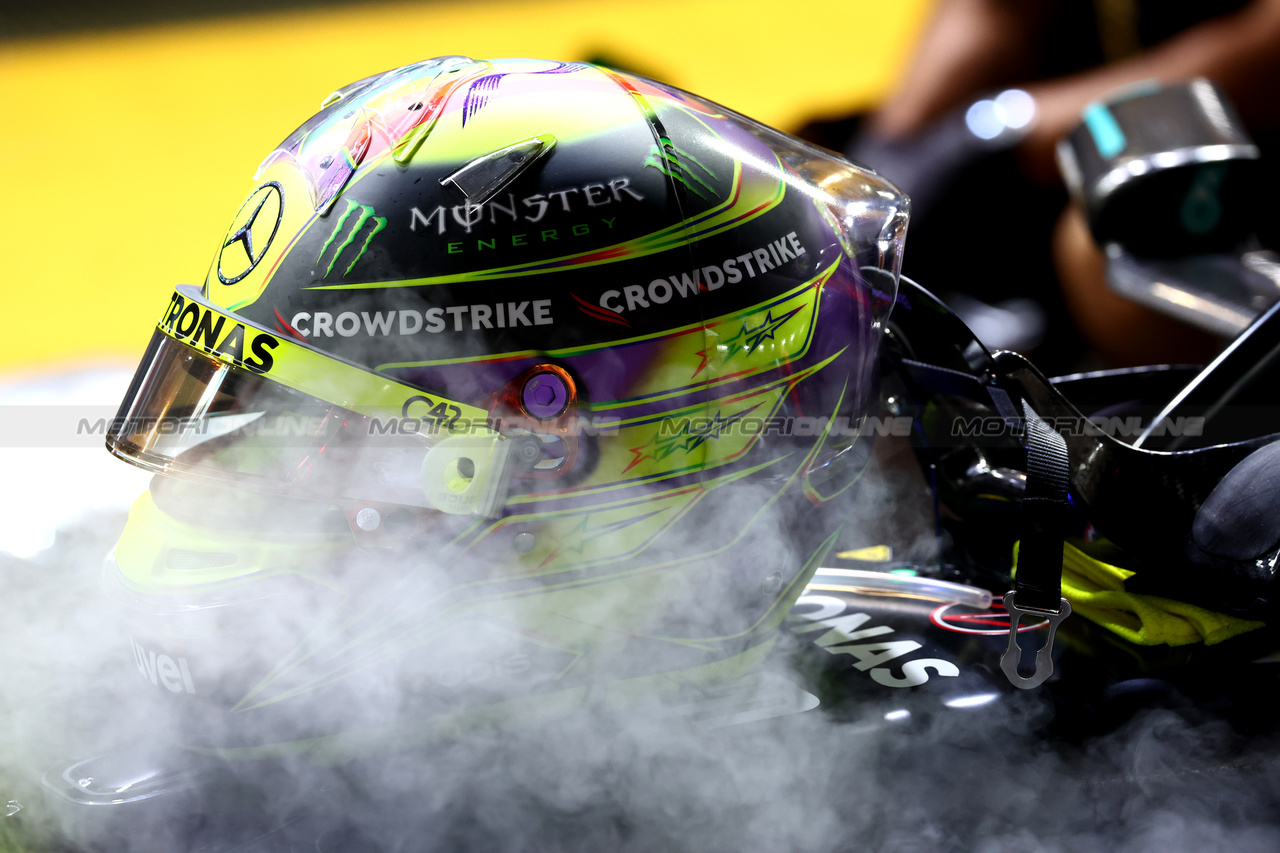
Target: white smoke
point(53, 486)
point(632, 773)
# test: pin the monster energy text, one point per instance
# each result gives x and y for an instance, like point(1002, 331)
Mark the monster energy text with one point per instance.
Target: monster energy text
point(531, 209)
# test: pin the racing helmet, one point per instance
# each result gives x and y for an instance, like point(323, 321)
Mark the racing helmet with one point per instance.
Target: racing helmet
point(528, 362)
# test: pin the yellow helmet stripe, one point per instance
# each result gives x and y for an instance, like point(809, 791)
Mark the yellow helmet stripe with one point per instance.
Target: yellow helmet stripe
point(190, 319)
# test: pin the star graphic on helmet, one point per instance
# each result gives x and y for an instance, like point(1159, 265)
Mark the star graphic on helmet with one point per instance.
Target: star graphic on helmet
point(683, 435)
point(585, 532)
point(576, 539)
point(244, 233)
point(748, 339)
point(230, 270)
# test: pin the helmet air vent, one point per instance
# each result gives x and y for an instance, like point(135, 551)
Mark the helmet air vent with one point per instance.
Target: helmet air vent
point(485, 176)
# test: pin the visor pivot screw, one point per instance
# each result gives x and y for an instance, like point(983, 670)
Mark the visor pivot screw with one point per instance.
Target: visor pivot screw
point(544, 395)
point(368, 519)
point(523, 543)
point(527, 452)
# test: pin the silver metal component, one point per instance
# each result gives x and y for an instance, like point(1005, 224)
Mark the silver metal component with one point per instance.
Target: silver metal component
point(1136, 167)
point(1013, 652)
point(523, 543)
point(911, 585)
point(1221, 293)
point(1135, 141)
point(1150, 130)
point(12, 808)
point(1212, 105)
point(1264, 262)
point(482, 178)
point(368, 519)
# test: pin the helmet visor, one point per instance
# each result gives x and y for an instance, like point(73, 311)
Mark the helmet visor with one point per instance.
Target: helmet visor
point(201, 407)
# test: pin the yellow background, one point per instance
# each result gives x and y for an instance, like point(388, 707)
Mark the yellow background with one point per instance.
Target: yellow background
point(126, 153)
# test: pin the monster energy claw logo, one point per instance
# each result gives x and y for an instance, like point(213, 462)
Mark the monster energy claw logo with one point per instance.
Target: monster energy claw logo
point(681, 166)
point(366, 215)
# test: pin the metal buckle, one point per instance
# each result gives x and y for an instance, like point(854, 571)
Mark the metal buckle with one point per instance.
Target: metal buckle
point(1013, 652)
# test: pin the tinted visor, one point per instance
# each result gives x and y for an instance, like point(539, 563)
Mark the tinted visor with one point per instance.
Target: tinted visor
point(192, 414)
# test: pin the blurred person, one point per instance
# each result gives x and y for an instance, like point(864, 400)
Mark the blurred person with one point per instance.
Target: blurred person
point(1000, 205)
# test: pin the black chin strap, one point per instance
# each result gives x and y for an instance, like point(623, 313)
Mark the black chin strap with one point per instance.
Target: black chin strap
point(1037, 588)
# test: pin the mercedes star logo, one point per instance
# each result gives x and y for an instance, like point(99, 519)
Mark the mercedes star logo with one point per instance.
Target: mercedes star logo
point(251, 233)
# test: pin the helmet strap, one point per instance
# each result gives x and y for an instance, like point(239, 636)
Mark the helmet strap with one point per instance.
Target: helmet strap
point(1037, 588)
